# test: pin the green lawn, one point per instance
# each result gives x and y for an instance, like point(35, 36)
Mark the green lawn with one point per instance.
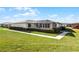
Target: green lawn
point(43, 33)
point(13, 41)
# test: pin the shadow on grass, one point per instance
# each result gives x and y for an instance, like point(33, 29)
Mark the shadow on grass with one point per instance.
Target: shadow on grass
point(30, 30)
point(45, 31)
point(71, 32)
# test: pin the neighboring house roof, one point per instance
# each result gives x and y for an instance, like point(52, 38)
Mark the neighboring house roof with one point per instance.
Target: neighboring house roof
point(73, 24)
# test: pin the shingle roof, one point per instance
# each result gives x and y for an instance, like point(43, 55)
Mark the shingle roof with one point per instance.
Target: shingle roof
point(34, 21)
point(39, 21)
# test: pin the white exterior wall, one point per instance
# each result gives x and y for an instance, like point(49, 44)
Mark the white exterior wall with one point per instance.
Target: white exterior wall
point(33, 25)
point(19, 25)
point(52, 25)
point(58, 25)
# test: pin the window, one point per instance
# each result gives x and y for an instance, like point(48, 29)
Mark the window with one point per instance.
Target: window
point(43, 26)
point(29, 25)
point(40, 25)
point(37, 25)
point(47, 25)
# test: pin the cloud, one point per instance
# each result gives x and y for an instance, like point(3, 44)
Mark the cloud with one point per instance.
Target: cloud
point(67, 18)
point(5, 19)
point(16, 15)
point(52, 16)
point(18, 8)
point(19, 14)
point(22, 8)
point(11, 19)
point(71, 18)
point(28, 12)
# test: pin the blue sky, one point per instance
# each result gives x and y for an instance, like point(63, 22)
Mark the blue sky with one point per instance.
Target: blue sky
point(57, 14)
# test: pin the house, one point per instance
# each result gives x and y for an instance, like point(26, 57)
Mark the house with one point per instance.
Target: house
point(6, 24)
point(74, 25)
point(35, 24)
point(0, 25)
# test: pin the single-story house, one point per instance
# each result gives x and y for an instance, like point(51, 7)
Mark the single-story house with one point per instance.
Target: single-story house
point(35, 24)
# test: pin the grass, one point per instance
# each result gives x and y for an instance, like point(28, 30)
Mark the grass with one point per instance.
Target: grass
point(43, 33)
point(14, 41)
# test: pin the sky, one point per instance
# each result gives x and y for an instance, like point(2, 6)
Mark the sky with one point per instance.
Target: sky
point(57, 14)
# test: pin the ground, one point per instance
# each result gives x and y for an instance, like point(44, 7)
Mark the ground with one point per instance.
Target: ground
point(13, 41)
point(43, 33)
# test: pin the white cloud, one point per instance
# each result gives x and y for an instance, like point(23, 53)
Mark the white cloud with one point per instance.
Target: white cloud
point(11, 19)
point(5, 19)
point(16, 15)
point(28, 12)
point(31, 13)
point(22, 8)
point(71, 18)
point(19, 8)
point(26, 8)
point(67, 18)
point(52, 16)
